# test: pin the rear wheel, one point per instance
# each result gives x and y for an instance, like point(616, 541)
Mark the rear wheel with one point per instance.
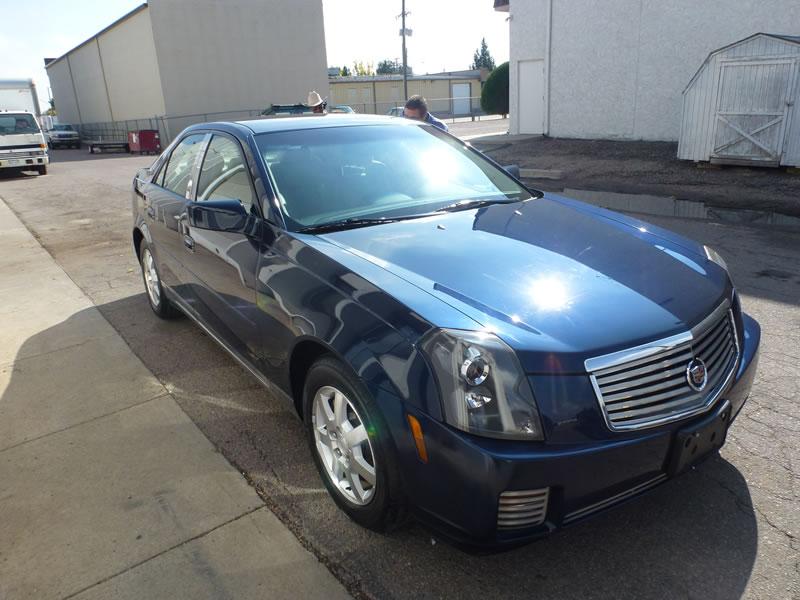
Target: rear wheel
point(152, 284)
point(350, 446)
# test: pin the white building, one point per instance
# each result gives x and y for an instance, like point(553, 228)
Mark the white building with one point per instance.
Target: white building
point(193, 57)
point(617, 68)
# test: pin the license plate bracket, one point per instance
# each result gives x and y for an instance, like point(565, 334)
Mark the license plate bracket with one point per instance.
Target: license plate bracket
point(700, 439)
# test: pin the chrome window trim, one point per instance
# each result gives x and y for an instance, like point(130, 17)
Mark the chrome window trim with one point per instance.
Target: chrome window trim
point(671, 343)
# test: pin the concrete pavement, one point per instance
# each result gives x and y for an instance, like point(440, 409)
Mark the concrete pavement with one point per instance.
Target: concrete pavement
point(107, 488)
point(725, 530)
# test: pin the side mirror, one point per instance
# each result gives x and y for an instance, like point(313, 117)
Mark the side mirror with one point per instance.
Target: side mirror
point(512, 170)
point(218, 215)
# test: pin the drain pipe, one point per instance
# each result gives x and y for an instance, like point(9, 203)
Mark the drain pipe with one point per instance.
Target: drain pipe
point(549, 48)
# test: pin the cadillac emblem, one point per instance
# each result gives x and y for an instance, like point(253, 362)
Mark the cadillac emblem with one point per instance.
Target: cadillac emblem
point(696, 374)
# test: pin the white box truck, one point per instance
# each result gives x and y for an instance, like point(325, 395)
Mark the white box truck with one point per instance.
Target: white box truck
point(22, 145)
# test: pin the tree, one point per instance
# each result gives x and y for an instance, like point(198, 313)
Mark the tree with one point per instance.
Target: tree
point(52, 110)
point(391, 67)
point(482, 58)
point(344, 71)
point(362, 68)
point(494, 95)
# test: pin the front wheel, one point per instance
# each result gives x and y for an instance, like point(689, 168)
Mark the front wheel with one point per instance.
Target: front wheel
point(351, 446)
point(152, 284)
point(42, 169)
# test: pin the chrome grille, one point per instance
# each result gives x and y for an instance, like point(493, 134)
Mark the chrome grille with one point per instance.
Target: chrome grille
point(648, 385)
point(519, 509)
point(22, 154)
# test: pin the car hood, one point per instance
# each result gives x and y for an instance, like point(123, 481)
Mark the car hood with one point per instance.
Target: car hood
point(558, 280)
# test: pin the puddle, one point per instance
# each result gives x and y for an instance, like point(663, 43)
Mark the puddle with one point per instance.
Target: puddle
point(666, 206)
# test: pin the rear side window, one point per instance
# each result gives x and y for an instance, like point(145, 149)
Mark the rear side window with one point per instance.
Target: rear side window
point(178, 174)
point(224, 173)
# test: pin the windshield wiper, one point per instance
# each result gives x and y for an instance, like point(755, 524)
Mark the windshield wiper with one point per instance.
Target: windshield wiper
point(466, 204)
point(346, 224)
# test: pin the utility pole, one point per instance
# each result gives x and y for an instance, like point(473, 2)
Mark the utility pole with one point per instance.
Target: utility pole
point(405, 58)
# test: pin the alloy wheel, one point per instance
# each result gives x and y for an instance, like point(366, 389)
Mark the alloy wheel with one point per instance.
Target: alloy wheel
point(343, 445)
point(151, 277)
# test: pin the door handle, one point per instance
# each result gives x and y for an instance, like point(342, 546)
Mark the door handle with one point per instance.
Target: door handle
point(151, 211)
point(188, 241)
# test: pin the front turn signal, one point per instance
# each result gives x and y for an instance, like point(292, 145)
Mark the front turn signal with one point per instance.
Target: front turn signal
point(419, 439)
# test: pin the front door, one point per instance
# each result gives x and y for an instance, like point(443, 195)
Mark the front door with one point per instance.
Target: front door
point(223, 264)
point(752, 105)
point(165, 200)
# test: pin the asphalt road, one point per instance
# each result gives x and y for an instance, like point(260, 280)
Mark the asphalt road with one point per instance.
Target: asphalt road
point(725, 530)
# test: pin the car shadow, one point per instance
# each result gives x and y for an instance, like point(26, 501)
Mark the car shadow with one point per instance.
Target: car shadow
point(695, 536)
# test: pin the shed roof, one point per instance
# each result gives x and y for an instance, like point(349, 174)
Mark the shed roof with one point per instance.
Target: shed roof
point(792, 39)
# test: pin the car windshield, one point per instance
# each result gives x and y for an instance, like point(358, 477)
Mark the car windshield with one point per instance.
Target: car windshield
point(62, 127)
point(334, 174)
point(11, 123)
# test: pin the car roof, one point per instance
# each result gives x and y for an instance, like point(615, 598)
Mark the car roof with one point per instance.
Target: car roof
point(273, 124)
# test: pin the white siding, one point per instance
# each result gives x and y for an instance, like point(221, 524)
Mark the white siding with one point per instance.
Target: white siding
point(617, 68)
point(702, 97)
point(89, 84)
point(131, 69)
point(63, 93)
point(238, 54)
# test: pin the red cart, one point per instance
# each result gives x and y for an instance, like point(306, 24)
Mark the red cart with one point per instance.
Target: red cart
point(144, 141)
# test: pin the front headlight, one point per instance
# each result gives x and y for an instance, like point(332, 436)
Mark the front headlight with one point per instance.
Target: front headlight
point(482, 386)
point(714, 256)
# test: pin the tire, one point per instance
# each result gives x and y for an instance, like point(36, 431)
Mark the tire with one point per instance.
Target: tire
point(42, 169)
point(382, 505)
point(156, 297)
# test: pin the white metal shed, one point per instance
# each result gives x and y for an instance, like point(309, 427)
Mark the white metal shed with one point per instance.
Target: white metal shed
point(743, 104)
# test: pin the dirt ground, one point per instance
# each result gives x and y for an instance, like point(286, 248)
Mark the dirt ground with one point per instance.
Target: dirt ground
point(650, 168)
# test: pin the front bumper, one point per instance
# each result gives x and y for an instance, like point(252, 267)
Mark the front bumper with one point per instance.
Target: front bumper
point(24, 161)
point(458, 491)
point(64, 141)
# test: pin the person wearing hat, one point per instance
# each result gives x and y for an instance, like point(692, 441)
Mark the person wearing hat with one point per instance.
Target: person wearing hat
point(316, 103)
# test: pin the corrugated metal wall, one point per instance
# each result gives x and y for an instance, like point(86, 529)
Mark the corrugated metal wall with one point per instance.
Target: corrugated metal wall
point(772, 65)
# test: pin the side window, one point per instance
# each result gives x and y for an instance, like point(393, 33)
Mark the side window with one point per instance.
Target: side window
point(178, 174)
point(224, 173)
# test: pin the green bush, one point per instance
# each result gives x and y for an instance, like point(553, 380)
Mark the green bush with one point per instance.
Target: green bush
point(494, 96)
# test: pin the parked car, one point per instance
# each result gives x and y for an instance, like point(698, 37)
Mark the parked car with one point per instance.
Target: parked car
point(341, 108)
point(499, 361)
point(395, 111)
point(63, 135)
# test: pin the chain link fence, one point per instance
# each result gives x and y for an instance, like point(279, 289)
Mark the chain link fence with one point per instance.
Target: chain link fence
point(169, 126)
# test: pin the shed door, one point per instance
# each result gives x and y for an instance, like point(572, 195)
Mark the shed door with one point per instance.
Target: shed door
point(531, 96)
point(461, 93)
point(751, 111)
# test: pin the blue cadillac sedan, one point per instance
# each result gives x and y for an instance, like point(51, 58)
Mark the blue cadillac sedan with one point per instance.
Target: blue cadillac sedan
point(496, 361)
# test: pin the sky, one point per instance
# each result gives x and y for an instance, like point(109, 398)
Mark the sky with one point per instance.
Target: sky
point(445, 33)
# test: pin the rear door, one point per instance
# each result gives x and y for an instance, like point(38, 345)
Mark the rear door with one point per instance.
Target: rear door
point(165, 201)
point(223, 264)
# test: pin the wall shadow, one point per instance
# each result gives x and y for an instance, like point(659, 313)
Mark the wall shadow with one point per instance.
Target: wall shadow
point(694, 536)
